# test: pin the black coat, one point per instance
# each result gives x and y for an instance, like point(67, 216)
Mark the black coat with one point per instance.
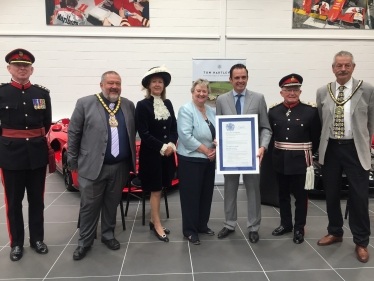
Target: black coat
point(300, 126)
point(155, 171)
point(17, 112)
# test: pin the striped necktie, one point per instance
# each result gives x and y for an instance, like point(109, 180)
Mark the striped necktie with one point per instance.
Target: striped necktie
point(114, 133)
point(339, 115)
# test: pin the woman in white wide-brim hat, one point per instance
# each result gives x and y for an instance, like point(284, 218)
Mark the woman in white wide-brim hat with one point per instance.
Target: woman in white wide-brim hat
point(157, 128)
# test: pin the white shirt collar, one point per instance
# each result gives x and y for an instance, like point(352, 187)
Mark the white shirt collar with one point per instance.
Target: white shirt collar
point(347, 85)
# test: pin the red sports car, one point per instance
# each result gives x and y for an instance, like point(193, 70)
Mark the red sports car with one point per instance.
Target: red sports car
point(58, 139)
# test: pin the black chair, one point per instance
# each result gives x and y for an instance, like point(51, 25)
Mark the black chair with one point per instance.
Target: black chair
point(135, 187)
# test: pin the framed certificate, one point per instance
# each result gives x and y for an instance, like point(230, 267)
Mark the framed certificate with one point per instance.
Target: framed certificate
point(237, 140)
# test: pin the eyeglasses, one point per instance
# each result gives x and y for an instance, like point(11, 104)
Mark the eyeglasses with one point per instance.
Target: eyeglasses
point(289, 91)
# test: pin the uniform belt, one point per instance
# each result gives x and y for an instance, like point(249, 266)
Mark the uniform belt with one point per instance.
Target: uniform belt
point(307, 147)
point(339, 141)
point(32, 133)
point(293, 145)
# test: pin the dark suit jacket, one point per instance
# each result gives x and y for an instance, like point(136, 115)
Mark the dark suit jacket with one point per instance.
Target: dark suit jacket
point(154, 134)
point(88, 135)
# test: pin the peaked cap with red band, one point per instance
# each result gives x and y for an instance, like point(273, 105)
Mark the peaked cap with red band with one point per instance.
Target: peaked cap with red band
point(20, 56)
point(291, 80)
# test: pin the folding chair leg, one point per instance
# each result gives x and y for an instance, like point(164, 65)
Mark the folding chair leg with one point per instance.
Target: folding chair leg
point(346, 209)
point(128, 199)
point(122, 215)
point(166, 202)
point(143, 213)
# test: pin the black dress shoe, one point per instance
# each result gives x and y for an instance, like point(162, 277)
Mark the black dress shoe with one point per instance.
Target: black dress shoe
point(280, 230)
point(112, 244)
point(193, 239)
point(253, 236)
point(161, 237)
point(40, 247)
point(152, 226)
point(208, 231)
point(224, 232)
point(80, 253)
point(298, 237)
point(16, 253)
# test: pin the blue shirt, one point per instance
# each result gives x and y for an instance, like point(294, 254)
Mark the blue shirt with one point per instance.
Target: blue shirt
point(235, 94)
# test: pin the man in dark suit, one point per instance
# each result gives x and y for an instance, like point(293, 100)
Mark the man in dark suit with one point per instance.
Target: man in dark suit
point(101, 141)
point(346, 108)
point(25, 118)
point(296, 131)
point(236, 102)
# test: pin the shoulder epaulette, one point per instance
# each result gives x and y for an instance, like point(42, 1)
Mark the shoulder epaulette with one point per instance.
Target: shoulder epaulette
point(312, 104)
point(42, 87)
point(3, 84)
point(275, 104)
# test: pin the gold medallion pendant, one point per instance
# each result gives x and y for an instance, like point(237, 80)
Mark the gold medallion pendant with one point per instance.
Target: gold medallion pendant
point(339, 110)
point(113, 121)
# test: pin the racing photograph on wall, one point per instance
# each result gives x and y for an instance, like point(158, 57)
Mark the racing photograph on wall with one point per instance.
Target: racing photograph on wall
point(338, 14)
point(98, 13)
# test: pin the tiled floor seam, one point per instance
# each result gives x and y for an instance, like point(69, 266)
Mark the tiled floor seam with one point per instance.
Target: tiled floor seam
point(128, 242)
point(325, 260)
point(267, 277)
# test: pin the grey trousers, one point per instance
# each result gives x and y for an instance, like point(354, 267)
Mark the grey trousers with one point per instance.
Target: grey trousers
point(102, 194)
point(252, 186)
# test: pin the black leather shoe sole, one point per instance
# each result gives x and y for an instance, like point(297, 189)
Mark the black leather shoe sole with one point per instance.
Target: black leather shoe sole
point(40, 248)
point(80, 253)
point(224, 233)
point(208, 232)
point(112, 244)
point(253, 237)
point(16, 253)
point(279, 232)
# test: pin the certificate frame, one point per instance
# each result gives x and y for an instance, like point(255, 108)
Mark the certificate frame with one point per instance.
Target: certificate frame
point(227, 124)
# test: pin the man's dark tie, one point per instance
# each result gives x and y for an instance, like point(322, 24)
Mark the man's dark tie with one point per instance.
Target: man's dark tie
point(238, 105)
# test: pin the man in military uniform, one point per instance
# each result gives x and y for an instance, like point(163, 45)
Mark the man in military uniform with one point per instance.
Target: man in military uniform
point(25, 116)
point(296, 131)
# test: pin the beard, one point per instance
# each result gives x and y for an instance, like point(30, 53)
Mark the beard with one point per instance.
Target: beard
point(112, 95)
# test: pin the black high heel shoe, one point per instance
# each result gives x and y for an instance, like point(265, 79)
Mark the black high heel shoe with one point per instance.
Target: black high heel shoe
point(152, 226)
point(161, 237)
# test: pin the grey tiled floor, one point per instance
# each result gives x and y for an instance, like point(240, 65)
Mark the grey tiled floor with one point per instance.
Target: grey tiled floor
point(144, 258)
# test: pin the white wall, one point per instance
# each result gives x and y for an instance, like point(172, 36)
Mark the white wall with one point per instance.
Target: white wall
point(70, 61)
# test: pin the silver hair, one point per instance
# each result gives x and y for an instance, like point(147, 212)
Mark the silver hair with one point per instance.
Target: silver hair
point(343, 54)
point(106, 73)
point(202, 83)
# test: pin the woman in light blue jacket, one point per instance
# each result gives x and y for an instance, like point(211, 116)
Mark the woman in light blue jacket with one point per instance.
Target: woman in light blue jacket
point(196, 161)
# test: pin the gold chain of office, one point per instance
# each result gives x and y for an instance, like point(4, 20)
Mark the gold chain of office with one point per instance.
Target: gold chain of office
point(341, 103)
point(113, 122)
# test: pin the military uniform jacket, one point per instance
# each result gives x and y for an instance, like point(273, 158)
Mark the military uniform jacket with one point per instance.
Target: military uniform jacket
point(302, 125)
point(22, 109)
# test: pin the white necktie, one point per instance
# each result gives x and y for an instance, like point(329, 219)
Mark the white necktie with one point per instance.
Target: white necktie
point(114, 130)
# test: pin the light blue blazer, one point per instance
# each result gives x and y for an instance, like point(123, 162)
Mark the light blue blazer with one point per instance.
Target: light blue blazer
point(193, 130)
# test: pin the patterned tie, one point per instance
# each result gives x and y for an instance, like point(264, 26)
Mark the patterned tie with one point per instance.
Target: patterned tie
point(339, 115)
point(115, 145)
point(238, 105)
